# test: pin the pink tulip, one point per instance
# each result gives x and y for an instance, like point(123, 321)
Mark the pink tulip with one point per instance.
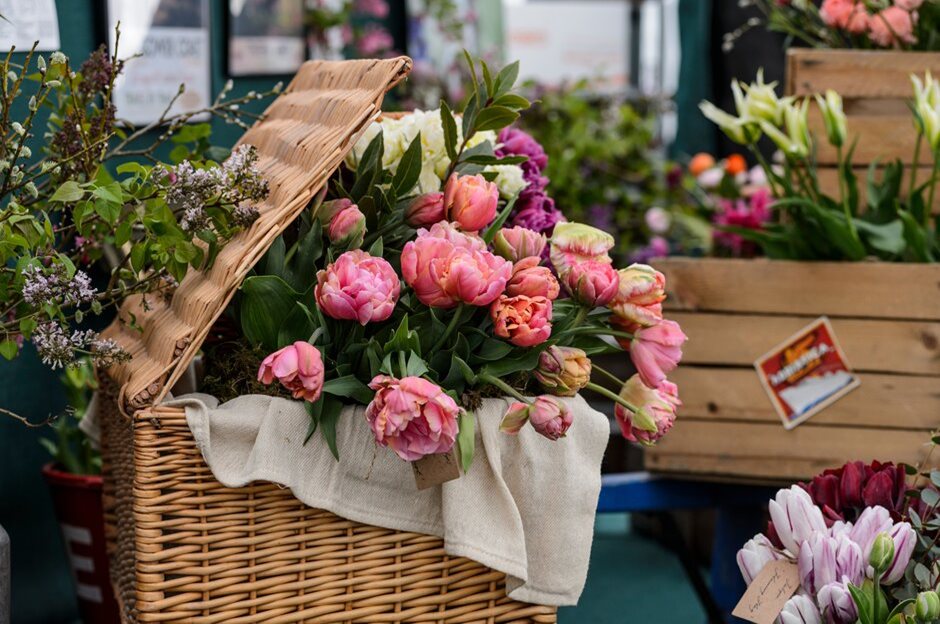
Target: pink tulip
point(592, 283)
point(347, 227)
point(298, 367)
point(871, 522)
point(754, 555)
point(532, 280)
point(515, 418)
point(656, 351)
point(524, 321)
point(825, 559)
point(425, 210)
point(550, 417)
point(331, 208)
point(516, 243)
point(908, 5)
point(640, 295)
point(446, 267)
point(657, 406)
point(471, 201)
point(892, 27)
point(357, 287)
point(795, 517)
point(412, 416)
point(575, 242)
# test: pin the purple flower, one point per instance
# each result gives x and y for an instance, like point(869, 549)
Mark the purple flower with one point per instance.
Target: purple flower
point(516, 142)
point(375, 40)
point(836, 602)
point(540, 217)
point(601, 216)
point(372, 8)
point(904, 541)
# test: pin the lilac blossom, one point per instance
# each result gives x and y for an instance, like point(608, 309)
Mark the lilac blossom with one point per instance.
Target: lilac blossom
point(57, 348)
point(54, 287)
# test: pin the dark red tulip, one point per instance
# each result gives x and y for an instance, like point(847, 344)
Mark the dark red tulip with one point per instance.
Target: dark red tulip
point(852, 479)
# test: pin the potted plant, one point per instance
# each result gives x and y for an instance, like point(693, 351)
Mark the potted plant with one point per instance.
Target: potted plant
point(867, 264)
point(74, 479)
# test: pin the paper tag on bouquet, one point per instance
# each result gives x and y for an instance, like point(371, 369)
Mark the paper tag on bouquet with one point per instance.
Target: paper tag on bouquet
point(806, 373)
point(769, 592)
point(433, 470)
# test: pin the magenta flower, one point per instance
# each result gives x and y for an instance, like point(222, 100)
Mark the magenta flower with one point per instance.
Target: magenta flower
point(358, 287)
point(412, 416)
point(298, 367)
point(537, 214)
point(752, 214)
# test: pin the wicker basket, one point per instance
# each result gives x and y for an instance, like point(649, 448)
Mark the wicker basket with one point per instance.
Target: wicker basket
point(183, 547)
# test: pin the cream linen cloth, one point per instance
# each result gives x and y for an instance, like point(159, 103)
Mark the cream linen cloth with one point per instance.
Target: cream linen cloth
point(525, 508)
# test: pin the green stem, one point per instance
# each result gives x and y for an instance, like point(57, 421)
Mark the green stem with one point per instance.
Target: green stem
point(597, 331)
point(914, 164)
point(768, 170)
point(454, 320)
point(845, 204)
point(928, 209)
point(616, 398)
point(502, 385)
point(402, 364)
point(608, 374)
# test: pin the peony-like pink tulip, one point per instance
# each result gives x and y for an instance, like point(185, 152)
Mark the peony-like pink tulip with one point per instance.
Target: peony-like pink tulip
point(425, 210)
point(563, 370)
point(550, 417)
point(892, 27)
point(524, 321)
point(656, 351)
point(516, 243)
point(347, 227)
point(470, 201)
point(532, 280)
point(412, 416)
point(446, 267)
point(592, 283)
point(575, 242)
point(657, 406)
point(299, 368)
point(357, 287)
point(837, 13)
point(640, 295)
point(908, 5)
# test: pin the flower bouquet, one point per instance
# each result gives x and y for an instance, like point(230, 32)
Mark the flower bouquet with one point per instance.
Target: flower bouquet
point(405, 290)
point(864, 541)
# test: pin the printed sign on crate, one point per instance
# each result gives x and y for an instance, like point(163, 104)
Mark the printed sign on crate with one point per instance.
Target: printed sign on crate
point(806, 373)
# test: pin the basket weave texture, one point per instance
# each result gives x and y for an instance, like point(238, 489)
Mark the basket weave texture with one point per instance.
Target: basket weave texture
point(184, 548)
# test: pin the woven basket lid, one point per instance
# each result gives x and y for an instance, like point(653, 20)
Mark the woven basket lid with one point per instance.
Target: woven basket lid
point(302, 139)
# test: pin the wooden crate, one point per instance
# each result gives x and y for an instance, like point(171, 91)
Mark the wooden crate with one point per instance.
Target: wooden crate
point(876, 90)
point(885, 316)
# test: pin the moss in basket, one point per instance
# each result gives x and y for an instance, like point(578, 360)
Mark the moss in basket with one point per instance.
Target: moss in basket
point(231, 370)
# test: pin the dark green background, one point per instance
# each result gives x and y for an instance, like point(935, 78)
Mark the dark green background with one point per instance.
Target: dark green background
point(42, 589)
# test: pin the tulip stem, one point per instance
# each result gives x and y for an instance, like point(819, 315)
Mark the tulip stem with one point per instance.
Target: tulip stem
point(315, 336)
point(454, 321)
point(914, 164)
point(928, 209)
point(616, 398)
point(598, 331)
point(502, 385)
point(608, 374)
point(402, 364)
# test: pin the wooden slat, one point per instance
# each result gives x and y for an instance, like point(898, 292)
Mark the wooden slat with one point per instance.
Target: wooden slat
point(829, 183)
point(767, 451)
point(911, 347)
point(857, 73)
point(880, 137)
point(882, 401)
point(858, 289)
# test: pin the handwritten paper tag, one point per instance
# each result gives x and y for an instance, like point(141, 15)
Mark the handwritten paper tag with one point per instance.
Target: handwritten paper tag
point(768, 593)
point(433, 470)
point(806, 373)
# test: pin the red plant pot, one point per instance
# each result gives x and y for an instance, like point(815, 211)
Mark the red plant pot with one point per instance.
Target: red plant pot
point(77, 501)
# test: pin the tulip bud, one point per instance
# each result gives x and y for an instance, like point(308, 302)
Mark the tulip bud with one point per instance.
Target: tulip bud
point(550, 417)
point(330, 209)
point(425, 210)
point(882, 553)
point(470, 201)
point(563, 370)
point(516, 416)
point(592, 283)
point(927, 606)
point(833, 117)
point(518, 242)
point(347, 227)
point(532, 280)
point(576, 242)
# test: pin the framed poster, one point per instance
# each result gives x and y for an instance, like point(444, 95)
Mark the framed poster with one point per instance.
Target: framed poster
point(27, 21)
point(265, 37)
point(170, 42)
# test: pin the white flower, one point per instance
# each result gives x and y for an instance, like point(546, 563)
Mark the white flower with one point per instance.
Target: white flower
point(509, 179)
point(428, 181)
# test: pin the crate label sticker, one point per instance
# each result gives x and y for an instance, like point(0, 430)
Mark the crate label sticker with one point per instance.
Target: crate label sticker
point(769, 592)
point(806, 373)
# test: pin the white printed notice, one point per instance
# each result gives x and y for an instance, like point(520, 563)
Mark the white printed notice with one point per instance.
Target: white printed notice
point(170, 40)
point(28, 21)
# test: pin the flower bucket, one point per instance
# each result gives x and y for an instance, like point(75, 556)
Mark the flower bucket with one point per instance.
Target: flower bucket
point(78, 508)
